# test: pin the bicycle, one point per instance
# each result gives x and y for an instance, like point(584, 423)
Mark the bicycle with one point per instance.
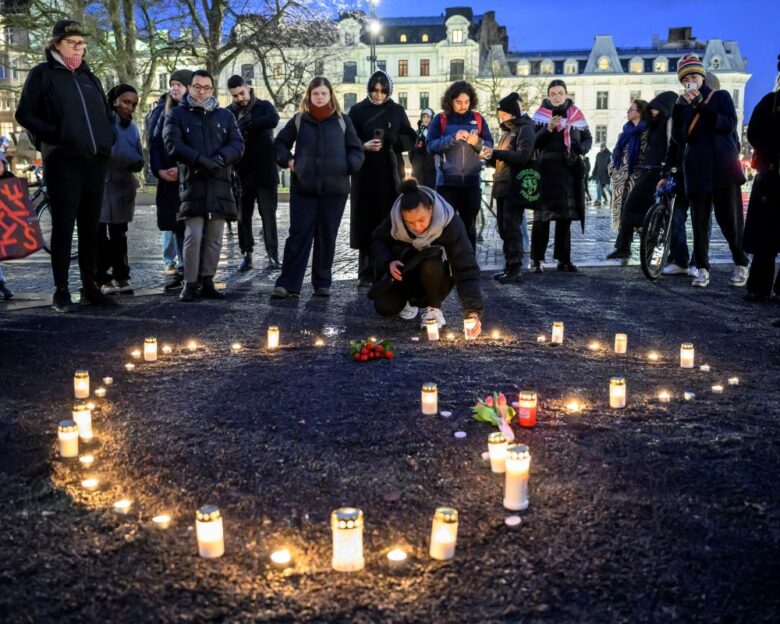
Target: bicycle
point(41, 205)
point(657, 232)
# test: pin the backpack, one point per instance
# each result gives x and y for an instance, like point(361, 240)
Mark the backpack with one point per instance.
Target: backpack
point(477, 118)
point(342, 123)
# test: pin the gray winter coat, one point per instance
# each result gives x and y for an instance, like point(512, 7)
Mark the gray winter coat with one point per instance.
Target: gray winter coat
point(126, 160)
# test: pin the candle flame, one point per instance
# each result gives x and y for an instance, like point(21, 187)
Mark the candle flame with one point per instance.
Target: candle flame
point(162, 521)
point(86, 460)
point(192, 345)
point(89, 484)
point(130, 366)
point(573, 406)
point(235, 347)
point(123, 505)
point(135, 353)
point(281, 557)
point(397, 554)
point(594, 346)
point(167, 349)
point(319, 342)
point(652, 356)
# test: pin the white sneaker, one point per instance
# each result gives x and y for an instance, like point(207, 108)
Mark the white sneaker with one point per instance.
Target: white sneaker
point(702, 278)
point(432, 313)
point(171, 269)
point(125, 287)
point(739, 276)
point(409, 312)
point(674, 269)
point(110, 288)
point(692, 271)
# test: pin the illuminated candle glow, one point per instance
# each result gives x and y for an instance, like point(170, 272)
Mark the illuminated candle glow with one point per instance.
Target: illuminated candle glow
point(122, 506)
point(192, 345)
point(468, 326)
point(526, 408)
point(444, 533)
point(653, 356)
point(167, 349)
point(210, 533)
point(320, 342)
point(573, 405)
point(686, 355)
point(717, 389)
point(235, 347)
point(704, 368)
point(281, 557)
point(432, 327)
point(518, 463)
point(68, 437)
point(450, 336)
point(397, 558)
point(347, 526)
point(541, 339)
point(81, 384)
point(430, 399)
point(150, 349)
point(617, 392)
point(621, 343)
point(82, 415)
point(87, 460)
point(273, 337)
point(664, 396)
point(163, 521)
point(594, 345)
point(90, 484)
point(733, 381)
point(557, 333)
point(135, 354)
point(129, 367)
point(107, 381)
point(497, 445)
point(100, 393)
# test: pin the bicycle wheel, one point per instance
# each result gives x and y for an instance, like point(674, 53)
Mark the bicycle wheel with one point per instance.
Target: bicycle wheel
point(43, 212)
point(654, 242)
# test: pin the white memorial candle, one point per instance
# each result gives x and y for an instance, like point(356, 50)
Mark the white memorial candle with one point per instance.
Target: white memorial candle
point(621, 343)
point(432, 327)
point(82, 415)
point(208, 527)
point(347, 527)
point(468, 326)
point(444, 533)
point(518, 463)
point(557, 333)
point(68, 437)
point(617, 392)
point(81, 384)
point(686, 355)
point(497, 445)
point(150, 350)
point(430, 400)
point(273, 338)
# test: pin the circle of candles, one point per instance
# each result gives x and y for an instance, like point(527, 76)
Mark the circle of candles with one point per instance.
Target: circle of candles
point(68, 438)
point(167, 349)
point(432, 327)
point(281, 557)
point(347, 526)
point(81, 384)
point(621, 343)
point(150, 349)
point(397, 558)
point(192, 345)
point(468, 326)
point(209, 531)
point(107, 381)
point(273, 337)
point(557, 333)
point(595, 345)
point(704, 368)
point(163, 521)
point(686, 355)
point(87, 460)
point(235, 347)
point(82, 415)
point(430, 400)
point(135, 354)
point(664, 396)
point(653, 356)
point(90, 484)
point(450, 336)
point(122, 506)
point(717, 389)
point(444, 533)
point(100, 393)
point(497, 446)
point(526, 408)
point(541, 339)
point(617, 392)
point(518, 463)
point(129, 367)
point(733, 381)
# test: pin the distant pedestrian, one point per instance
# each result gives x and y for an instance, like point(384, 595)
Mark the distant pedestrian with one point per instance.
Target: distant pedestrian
point(601, 175)
point(205, 139)
point(457, 137)
point(384, 129)
point(127, 159)
point(257, 119)
point(705, 123)
point(64, 107)
point(423, 162)
point(562, 137)
point(327, 152)
point(626, 156)
point(424, 246)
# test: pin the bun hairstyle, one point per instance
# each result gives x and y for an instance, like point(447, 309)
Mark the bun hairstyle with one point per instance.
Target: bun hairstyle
point(412, 195)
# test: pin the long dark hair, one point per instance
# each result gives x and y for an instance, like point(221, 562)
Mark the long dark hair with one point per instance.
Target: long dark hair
point(453, 91)
point(641, 106)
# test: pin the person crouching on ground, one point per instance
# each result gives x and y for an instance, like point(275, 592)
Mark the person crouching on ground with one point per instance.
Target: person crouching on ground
point(424, 247)
point(206, 140)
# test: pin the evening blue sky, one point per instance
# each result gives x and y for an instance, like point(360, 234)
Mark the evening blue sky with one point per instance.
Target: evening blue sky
point(540, 25)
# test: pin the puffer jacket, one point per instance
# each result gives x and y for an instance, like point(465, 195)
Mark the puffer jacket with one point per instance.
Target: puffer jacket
point(457, 162)
point(191, 132)
point(66, 110)
point(126, 160)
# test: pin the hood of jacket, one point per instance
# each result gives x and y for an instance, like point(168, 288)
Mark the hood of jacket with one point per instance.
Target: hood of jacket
point(663, 103)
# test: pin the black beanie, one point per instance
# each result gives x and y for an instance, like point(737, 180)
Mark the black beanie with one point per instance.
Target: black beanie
point(184, 76)
point(510, 104)
point(118, 90)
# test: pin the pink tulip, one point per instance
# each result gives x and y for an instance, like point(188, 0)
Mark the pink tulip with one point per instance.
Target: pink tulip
point(501, 400)
point(489, 401)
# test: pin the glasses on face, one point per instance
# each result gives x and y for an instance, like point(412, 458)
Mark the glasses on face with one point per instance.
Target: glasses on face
point(76, 43)
point(202, 88)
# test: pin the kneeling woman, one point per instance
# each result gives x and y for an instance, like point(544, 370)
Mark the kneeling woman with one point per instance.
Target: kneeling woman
point(424, 247)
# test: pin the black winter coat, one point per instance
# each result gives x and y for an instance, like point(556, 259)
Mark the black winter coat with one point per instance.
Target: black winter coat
point(191, 132)
point(460, 254)
point(257, 167)
point(601, 167)
point(375, 186)
point(710, 157)
point(167, 196)
point(66, 110)
point(762, 227)
point(325, 155)
point(513, 154)
point(423, 163)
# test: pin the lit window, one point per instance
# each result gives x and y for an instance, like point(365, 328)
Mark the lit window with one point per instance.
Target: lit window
point(660, 65)
point(636, 66)
point(523, 68)
point(548, 67)
point(403, 68)
point(604, 63)
point(425, 67)
point(457, 35)
point(570, 66)
point(402, 38)
point(425, 38)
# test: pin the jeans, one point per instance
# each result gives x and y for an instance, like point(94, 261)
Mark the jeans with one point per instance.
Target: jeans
point(208, 233)
point(267, 199)
point(467, 202)
point(728, 213)
point(313, 220)
point(678, 245)
point(540, 238)
point(428, 284)
point(169, 248)
point(601, 191)
point(112, 253)
point(524, 232)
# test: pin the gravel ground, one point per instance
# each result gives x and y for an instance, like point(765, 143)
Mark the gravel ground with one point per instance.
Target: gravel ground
point(656, 513)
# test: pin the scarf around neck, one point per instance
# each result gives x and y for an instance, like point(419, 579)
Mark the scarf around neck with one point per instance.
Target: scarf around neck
point(443, 213)
point(321, 113)
point(575, 118)
point(71, 62)
point(630, 139)
point(209, 104)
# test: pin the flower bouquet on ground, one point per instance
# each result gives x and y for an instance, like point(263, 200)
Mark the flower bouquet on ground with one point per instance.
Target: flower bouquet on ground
point(365, 350)
point(495, 411)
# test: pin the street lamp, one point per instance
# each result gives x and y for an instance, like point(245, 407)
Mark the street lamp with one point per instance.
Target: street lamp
point(373, 30)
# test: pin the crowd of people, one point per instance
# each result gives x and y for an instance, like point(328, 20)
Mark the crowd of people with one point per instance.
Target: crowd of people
point(415, 236)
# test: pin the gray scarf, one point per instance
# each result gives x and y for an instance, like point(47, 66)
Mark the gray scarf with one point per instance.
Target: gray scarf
point(209, 104)
point(442, 215)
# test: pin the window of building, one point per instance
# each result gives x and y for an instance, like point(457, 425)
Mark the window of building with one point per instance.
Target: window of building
point(162, 82)
point(350, 99)
point(297, 72)
point(457, 35)
point(601, 134)
point(403, 68)
point(248, 73)
point(602, 100)
point(457, 69)
point(403, 98)
point(604, 63)
point(350, 72)
point(715, 62)
point(425, 38)
point(425, 67)
point(277, 71)
point(635, 95)
point(9, 36)
point(548, 67)
point(636, 65)
point(661, 65)
point(735, 97)
point(523, 68)
point(570, 66)
point(382, 64)
point(349, 39)
point(402, 38)
point(424, 100)
point(2, 70)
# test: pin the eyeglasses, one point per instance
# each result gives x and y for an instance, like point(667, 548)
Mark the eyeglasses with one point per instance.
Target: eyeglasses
point(75, 43)
point(203, 88)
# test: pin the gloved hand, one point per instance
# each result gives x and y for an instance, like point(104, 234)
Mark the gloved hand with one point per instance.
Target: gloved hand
point(212, 165)
point(390, 139)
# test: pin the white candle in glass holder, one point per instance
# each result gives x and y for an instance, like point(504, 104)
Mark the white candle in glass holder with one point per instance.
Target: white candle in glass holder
point(167, 349)
point(87, 460)
point(717, 389)
point(432, 327)
point(81, 384)
point(704, 368)
point(468, 326)
point(541, 339)
point(208, 527)
point(518, 463)
point(273, 337)
point(90, 484)
point(733, 381)
point(100, 393)
point(444, 533)
point(617, 392)
point(686, 355)
point(557, 333)
point(135, 354)
point(664, 396)
point(346, 524)
point(621, 343)
point(68, 437)
point(497, 445)
point(82, 416)
point(162, 521)
point(108, 381)
point(129, 367)
point(150, 350)
point(123, 506)
point(430, 399)
point(527, 403)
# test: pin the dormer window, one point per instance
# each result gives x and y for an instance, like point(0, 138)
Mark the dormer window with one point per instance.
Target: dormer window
point(349, 39)
point(425, 38)
point(570, 66)
point(604, 64)
point(402, 38)
point(457, 35)
point(524, 68)
point(548, 67)
point(661, 65)
point(636, 65)
point(715, 62)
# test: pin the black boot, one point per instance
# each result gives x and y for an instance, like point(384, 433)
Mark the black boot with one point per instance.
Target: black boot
point(537, 266)
point(246, 263)
point(7, 294)
point(91, 295)
point(512, 276)
point(208, 290)
point(188, 293)
point(62, 301)
point(177, 281)
point(273, 262)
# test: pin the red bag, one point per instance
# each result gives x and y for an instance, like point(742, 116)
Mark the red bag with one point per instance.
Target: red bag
point(20, 232)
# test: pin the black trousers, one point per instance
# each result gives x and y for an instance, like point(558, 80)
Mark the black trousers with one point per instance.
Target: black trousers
point(509, 213)
point(267, 199)
point(428, 284)
point(112, 253)
point(540, 238)
point(75, 187)
point(762, 274)
point(728, 213)
point(467, 202)
point(367, 269)
point(313, 219)
point(625, 236)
